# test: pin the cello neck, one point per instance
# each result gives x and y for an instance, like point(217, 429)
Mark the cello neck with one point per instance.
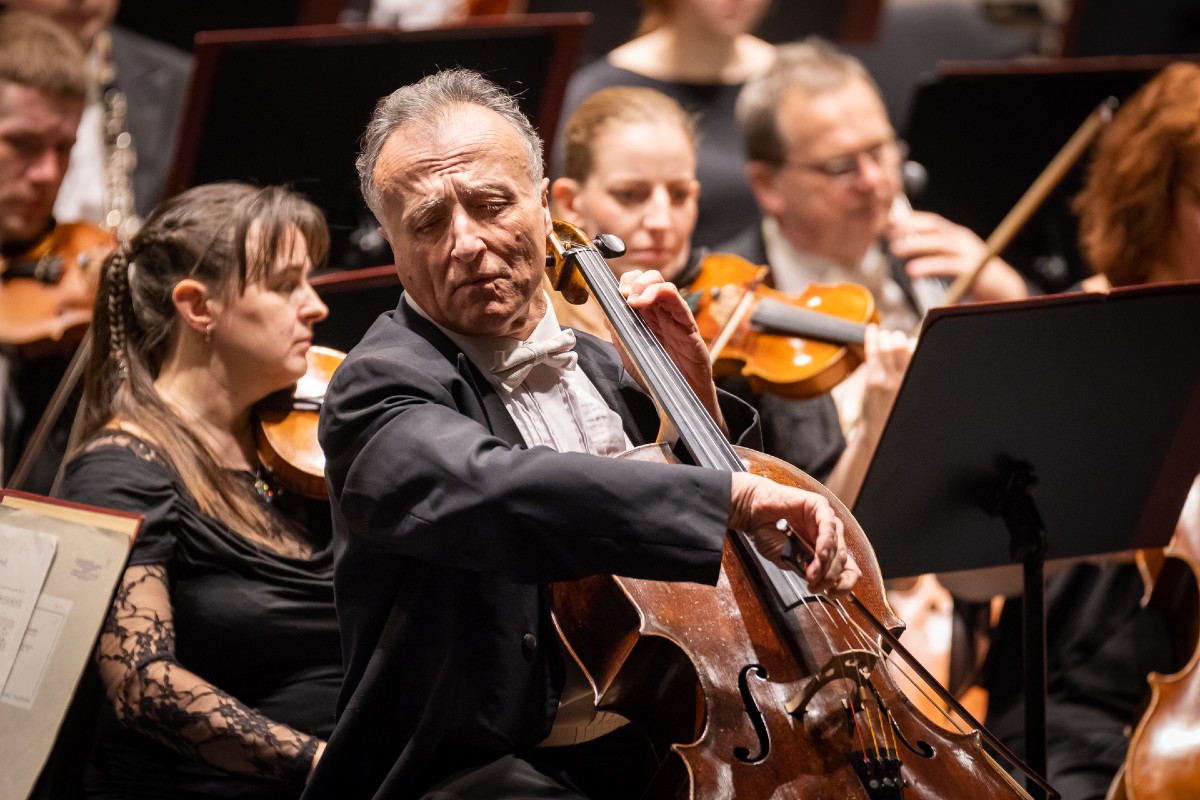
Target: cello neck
point(671, 393)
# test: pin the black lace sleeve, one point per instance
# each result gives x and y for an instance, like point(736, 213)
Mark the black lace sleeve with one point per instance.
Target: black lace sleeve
point(153, 694)
point(151, 691)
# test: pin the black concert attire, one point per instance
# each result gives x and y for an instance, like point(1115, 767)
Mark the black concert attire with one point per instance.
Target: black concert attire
point(258, 625)
point(447, 530)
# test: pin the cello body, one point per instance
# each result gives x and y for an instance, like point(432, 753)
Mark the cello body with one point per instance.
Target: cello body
point(1163, 760)
point(755, 688)
point(706, 673)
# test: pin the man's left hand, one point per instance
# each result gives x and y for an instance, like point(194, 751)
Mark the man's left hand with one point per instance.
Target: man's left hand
point(667, 314)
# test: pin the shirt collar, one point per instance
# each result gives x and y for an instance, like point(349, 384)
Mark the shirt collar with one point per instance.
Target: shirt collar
point(482, 350)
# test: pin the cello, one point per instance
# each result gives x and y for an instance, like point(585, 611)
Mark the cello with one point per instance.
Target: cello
point(756, 687)
point(1161, 762)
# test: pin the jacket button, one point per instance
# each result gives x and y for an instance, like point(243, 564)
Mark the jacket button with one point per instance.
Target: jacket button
point(529, 645)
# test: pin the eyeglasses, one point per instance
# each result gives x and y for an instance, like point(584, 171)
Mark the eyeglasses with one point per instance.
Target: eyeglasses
point(846, 169)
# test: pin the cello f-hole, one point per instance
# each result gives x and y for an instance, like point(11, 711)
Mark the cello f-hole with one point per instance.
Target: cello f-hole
point(754, 715)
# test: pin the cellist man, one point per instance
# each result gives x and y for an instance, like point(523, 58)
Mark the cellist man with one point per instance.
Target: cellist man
point(466, 438)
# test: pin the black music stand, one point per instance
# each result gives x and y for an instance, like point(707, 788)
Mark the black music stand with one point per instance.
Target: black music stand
point(1094, 398)
point(288, 105)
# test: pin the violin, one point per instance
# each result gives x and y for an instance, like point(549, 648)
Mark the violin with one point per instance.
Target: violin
point(755, 687)
point(1161, 762)
point(286, 434)
point(795, 346)
point(47, 292)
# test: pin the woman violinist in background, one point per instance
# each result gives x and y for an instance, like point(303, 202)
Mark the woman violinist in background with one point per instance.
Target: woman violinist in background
point(1139, 223)
point(699, 53)
point(630, 170)
point(221, 655)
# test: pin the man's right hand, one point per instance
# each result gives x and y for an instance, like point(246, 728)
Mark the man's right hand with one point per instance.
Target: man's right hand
point(756, 508)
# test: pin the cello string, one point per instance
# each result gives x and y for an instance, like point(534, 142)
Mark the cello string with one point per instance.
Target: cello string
point(899, 667)
point(856, 677)
point(884, 713)
point(863, 639)
point(651, 357)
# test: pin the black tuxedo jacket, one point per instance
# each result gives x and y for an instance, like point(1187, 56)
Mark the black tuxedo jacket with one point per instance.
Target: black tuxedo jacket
point(447, 530)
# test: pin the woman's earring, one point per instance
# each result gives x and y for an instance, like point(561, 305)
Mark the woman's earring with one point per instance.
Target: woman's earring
point(208, 333)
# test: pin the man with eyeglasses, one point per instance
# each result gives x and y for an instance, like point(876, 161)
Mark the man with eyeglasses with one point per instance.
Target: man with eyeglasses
point(824, 165)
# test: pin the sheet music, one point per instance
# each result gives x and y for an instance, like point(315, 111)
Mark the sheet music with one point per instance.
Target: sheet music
point(33, 659)
point(25, 559)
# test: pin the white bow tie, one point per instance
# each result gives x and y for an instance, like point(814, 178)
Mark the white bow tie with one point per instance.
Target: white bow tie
point(512, 367)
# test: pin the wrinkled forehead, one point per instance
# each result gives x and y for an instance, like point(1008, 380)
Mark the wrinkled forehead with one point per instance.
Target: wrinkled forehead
point(462, 141)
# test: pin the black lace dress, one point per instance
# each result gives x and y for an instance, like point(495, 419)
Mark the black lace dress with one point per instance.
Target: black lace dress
point(257, 625)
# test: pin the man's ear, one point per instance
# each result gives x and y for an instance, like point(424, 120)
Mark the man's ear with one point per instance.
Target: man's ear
point(195, 305)
point(763, 179)
point(544, 192)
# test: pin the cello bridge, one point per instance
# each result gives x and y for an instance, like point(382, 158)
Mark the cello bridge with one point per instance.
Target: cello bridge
point(855, 665)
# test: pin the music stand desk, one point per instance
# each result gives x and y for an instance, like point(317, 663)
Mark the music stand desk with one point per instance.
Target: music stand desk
point(1094, 398)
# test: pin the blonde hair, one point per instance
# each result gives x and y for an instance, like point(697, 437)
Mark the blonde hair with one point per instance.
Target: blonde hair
point(627, 104)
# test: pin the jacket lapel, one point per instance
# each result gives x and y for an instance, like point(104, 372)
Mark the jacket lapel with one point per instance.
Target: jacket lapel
point(498, 420)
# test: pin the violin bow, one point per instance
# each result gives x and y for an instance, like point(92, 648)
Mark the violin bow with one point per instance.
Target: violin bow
point(1035, 195)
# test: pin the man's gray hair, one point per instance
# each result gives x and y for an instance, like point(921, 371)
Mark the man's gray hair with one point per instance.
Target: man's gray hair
point(812, 66)
point(430, 101)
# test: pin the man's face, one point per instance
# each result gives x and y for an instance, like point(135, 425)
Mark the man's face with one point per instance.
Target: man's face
point(466, 222)
point(36, 135)
point(841, 171)
point(84, 18)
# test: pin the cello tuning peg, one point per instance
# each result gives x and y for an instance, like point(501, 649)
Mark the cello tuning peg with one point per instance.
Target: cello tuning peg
point(610, 246)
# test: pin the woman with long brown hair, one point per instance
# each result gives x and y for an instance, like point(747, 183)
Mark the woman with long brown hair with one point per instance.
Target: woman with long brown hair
point(220, 656)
